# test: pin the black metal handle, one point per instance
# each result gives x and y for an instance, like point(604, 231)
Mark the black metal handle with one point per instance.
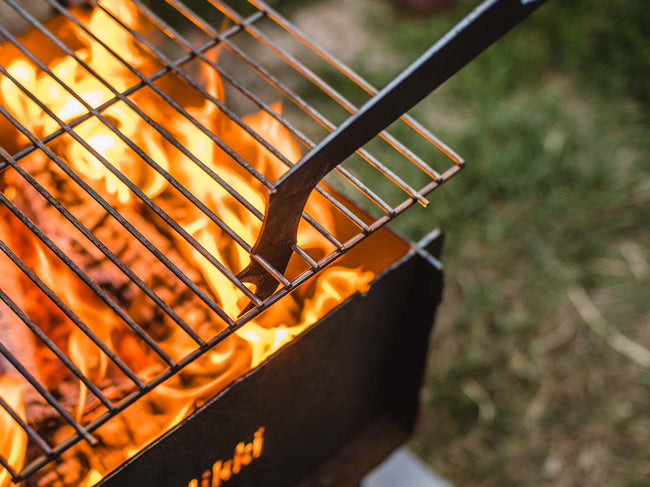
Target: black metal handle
point(472, 35)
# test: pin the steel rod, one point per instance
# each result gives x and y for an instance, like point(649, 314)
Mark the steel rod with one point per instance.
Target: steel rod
point(14, 475)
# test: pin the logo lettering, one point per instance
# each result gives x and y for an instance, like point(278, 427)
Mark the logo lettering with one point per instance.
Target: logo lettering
point(223, 470)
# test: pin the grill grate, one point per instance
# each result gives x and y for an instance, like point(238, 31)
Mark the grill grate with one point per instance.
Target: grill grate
point(263, 58)
point(259, 24)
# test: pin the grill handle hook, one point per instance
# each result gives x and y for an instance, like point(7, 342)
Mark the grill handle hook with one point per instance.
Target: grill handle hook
point(287, 198)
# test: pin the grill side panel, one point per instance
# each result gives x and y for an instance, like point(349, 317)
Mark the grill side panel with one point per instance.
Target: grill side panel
point(361, 366)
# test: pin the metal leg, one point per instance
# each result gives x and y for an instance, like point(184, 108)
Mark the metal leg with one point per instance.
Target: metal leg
point(403, 468)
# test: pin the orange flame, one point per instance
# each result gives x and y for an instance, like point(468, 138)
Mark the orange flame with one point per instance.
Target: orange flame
point(172, 401)
point(13, 440)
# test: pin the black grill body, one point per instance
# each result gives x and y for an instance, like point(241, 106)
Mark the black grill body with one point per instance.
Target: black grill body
point(332, 403)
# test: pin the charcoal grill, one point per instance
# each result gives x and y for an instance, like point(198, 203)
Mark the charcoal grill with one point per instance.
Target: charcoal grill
point(262, 58)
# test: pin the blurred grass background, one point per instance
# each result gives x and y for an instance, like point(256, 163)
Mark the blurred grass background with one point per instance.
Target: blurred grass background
point(539, 371)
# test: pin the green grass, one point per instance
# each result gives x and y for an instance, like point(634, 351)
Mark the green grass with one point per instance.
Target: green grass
point(556, 197)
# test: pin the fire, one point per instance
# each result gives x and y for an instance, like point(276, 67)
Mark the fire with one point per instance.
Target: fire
point(13, 440)
point(172, 401)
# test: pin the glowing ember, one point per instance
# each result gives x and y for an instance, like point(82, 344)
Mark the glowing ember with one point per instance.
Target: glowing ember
point(172, 401)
